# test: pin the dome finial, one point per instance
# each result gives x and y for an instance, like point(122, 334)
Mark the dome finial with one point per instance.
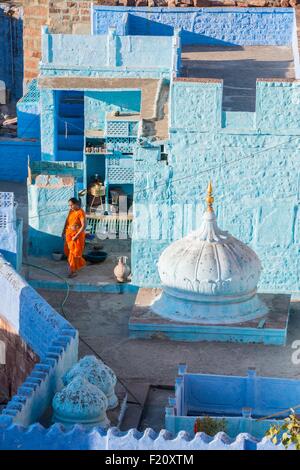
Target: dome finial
point(209, 198)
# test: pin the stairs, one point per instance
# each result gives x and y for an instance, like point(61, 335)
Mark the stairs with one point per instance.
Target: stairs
point(70, 138)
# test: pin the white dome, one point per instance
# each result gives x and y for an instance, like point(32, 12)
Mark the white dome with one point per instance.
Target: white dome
point(209, 264)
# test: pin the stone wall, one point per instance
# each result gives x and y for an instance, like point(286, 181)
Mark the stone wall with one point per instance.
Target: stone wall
point(252, 159)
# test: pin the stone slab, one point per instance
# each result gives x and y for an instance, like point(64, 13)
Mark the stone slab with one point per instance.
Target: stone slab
point(269, 329)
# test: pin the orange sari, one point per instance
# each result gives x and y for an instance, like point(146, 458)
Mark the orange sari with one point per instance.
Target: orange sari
point(74, 248)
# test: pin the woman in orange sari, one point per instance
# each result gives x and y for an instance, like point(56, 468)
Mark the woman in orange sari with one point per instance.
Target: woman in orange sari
point(74, 236)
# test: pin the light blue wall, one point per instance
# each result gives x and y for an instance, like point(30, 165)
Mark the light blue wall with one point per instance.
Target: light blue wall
point(223, 26)
point(254, 167)
point(50, 336)
point(97, 103)
point(11, 53)
point(48, 204)
point(14, 155)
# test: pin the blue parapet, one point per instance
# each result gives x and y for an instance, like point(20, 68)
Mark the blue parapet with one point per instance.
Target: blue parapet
point(28, 113)
point(11, 52)
point(250, 404)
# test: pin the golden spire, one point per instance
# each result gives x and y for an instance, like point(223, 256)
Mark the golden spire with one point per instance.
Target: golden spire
point(209, 197)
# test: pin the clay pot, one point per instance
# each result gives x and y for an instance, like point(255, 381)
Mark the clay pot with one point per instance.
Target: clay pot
point(122, 270)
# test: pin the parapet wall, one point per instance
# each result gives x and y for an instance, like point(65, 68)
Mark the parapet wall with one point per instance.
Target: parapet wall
point(49, 336)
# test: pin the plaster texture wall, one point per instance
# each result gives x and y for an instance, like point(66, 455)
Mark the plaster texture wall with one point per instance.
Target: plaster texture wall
point(253, 164)
point(49, 336)
point(48, 208)
point(11, 52)
point(223, 26)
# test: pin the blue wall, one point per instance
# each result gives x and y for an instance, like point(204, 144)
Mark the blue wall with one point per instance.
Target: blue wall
point(14, 155)
point(223, 26)
point(11, 54)
point(256, 196)
point(28, 113)
point(97, 103)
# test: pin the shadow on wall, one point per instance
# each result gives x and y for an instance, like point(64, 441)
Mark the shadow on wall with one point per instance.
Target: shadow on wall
point(16, 360)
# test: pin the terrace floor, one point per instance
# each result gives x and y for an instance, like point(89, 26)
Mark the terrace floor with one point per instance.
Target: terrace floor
point(239, 67)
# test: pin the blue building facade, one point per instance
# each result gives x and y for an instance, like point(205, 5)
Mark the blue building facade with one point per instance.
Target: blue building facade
point(11, 53)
